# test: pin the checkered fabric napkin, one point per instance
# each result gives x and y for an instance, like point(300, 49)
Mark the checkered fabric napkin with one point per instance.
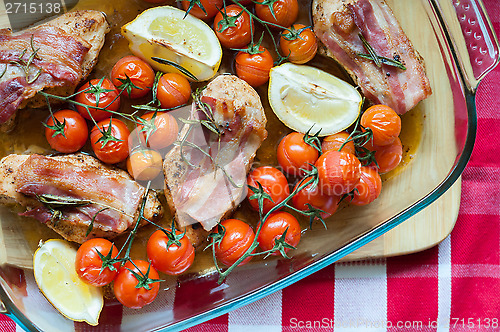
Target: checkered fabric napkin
point(454, 286)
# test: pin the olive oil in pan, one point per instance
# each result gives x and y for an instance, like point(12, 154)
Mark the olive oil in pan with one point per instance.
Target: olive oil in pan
point(28, 135)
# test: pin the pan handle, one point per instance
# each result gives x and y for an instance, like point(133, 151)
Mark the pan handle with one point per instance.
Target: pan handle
point(470, 31)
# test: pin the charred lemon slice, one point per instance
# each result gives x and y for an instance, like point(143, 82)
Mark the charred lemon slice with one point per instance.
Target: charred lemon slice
point(304, 97)
point(55, 275)
point(167, 38)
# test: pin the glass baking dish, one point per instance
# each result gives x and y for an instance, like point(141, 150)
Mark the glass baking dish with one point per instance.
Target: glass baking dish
point(459, 46)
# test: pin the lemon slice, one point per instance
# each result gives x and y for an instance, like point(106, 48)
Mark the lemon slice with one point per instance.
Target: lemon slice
point(165, 33)
point(304, 97)
point(55, 275)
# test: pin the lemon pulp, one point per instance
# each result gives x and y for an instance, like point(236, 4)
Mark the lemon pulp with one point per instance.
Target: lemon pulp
point(304, 97)
point(165, 32)
point(55, 275)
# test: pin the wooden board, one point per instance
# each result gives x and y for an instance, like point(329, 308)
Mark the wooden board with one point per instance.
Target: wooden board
point(422, 231)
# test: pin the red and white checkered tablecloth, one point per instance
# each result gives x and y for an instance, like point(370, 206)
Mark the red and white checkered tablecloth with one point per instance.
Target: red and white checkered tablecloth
point(454, 286)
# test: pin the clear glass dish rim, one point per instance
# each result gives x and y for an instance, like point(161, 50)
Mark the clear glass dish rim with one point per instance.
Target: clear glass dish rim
point(17, 316)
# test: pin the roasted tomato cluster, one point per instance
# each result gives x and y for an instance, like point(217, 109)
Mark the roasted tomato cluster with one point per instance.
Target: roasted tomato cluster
point(116, 135)
point(235, 26)
point(347, 166)
point(135, 282)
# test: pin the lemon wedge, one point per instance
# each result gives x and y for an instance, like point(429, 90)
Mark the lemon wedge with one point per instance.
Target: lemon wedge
point(55, 275)
point(304, 97)
point(163, 32)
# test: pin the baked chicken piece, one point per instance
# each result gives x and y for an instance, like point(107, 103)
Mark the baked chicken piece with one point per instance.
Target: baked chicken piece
point(54, 57)
point(67, 192)
point(205, 178)
point(341, 25)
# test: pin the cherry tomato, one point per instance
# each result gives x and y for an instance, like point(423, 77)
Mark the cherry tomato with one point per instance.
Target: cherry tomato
point(389, 156)
point(339, 172)
point(115, 147)
point(162, 130)
point(275, 226)
point(75, 131)
point(95, 89)
point(144, 164)
point(384, 123)
point(210, 8)
point(295, 154)
point(88, 263)
point(285, 12)
point(335, 141)
point(368, 188)
point(233, 34)
point(254, 68)
point(300, 48)
point(274, 184)
point(139, 73)
point(125, 285)
point(316, 198)
point(244, 2)
point(170, 258)
point(173, 90)
point(237, 239)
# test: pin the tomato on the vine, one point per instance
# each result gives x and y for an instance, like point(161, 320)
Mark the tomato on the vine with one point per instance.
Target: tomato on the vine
point(274, 227)
point(110, 140)
point(384, 122)
point(298, 43)
point(335, 141)
point(273, 183)
point(173, 90)
point(74, 127)
point(338, 172)
point(316, 198)
point(168, 256)
point(158, 130)
point(285, 11)
point(134, 75)
point(388, 156)
point(368, 188)
point(233, 26)
point(135, 291)
point(94, 263)
point(144, 164)
point(294, 154)
point(98, 93)
point(210, 8)
point(254, 68)
point(238, 237)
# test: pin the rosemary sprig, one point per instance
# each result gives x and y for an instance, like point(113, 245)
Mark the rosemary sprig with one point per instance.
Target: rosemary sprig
point(55, 204)
point(379, 60)
point(385, 61)
point(91, 225)
point(176, 66)
point(25, 65)
point(4, 71)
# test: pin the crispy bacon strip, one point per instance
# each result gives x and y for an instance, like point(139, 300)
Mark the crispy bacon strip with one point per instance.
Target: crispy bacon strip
point(205, 189)
point(339, 30)
point(59, 58)
point(40, 175)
